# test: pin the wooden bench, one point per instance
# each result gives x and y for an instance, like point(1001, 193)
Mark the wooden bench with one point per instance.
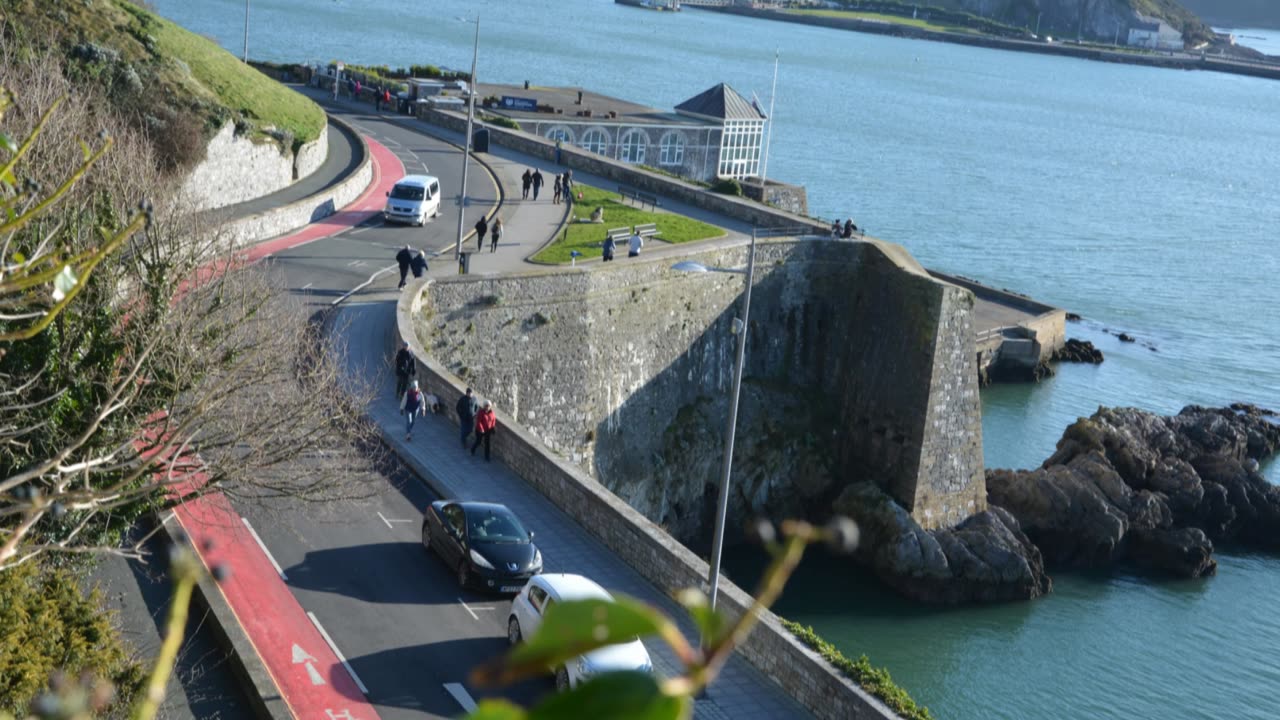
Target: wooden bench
point(647, 230)
point(639, 198)
point(619, 235)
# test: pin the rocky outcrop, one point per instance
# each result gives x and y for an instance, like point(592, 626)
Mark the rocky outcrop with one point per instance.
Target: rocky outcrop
point(1127, 485)
point(986, 558)
point(1080, 351)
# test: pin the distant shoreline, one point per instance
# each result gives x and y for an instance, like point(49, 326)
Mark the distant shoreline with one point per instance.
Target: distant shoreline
point(1178, 61)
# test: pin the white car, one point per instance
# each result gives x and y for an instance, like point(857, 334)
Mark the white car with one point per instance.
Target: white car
point(542, 592)
point(413, 199)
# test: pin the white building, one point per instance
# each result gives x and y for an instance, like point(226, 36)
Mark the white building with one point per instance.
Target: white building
point(1155, 34)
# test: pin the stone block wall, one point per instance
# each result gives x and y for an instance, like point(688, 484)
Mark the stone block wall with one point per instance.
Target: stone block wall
point(236, 169)
point(636, 540)
point(578, 159)
point(625, 370)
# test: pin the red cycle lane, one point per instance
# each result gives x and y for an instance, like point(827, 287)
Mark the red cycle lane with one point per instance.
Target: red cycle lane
point(308, 672)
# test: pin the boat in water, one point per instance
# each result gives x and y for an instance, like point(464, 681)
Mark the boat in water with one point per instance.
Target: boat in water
point(664, 5)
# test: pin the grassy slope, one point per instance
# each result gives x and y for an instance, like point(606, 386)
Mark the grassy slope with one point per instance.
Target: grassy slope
point(191, 73)
point(892, 19)
point(587, 237)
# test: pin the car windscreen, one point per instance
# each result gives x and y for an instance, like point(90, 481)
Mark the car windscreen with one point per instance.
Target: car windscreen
point(406, 192)
point(495, 526)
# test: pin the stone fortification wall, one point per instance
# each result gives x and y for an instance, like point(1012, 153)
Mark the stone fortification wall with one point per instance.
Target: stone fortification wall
point(236, 169)
point(622, 173)
point(860, 366)
point(635, 539)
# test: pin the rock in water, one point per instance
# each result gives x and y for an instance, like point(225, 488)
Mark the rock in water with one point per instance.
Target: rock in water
point(1081, 351)
point(1157, 491)
point(986, 558)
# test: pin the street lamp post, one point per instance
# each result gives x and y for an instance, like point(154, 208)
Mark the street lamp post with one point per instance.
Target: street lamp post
point(466, 142)
point(246, 31)
point(722, 501)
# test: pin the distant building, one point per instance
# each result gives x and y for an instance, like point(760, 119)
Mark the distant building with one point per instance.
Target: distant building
point(1155, 34)
point(714, 134)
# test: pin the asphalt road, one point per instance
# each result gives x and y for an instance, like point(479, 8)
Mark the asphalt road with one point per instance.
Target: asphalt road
point(393, 610)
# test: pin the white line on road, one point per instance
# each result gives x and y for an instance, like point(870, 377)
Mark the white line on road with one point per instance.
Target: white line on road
point(307, 286)
point(356, 263)
point(265, 551)
point(365, 284)
point(337, 652)
point(392, 520)
point(389, 141)
point(467, 607)
point(460, 694)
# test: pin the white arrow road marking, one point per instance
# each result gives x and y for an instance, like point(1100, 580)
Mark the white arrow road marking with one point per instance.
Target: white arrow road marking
point(392, 520)
point(366, 283)
point(460, 694)
point(302, 656)
point(342, 659)
point(265, 551)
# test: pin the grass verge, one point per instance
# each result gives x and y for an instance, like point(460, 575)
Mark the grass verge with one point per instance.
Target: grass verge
point(587, 237)
point(872, 679)
point(891, 19)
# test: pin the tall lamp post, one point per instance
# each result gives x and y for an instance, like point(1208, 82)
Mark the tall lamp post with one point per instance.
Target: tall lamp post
point(466, 142)
point(741, 326)
point(246, 31)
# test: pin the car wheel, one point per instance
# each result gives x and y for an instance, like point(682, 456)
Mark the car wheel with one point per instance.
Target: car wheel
point(464, 574)
point(513, 630)
point(426, 537)
point(562, 679)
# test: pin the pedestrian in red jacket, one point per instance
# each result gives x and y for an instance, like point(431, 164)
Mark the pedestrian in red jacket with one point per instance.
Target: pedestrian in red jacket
point(486, 423)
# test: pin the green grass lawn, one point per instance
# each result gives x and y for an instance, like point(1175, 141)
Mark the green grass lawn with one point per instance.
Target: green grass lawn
point(236, 85)
point(894, 19)
point(587, 237)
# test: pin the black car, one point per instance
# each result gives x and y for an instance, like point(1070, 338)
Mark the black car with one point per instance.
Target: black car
point(484, 542)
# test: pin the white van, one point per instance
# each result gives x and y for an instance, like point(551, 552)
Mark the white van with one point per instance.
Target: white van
point(414, 199)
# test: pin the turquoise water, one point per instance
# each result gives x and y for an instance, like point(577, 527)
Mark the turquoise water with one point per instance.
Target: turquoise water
point(1144, 199)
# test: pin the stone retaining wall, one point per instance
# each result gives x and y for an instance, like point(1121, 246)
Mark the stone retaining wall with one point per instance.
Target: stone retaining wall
point(237, 169)
point(644, 546)
point(279, 220)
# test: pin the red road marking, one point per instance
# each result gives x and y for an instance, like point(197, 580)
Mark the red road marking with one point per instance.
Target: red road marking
point(265, 607)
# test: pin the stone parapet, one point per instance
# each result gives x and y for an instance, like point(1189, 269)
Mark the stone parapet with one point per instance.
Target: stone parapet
point(237, 169)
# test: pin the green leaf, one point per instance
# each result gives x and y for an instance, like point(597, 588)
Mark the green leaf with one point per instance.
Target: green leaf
point(84, 148)
point(7, 143)
point(497, 710)
point(617, 696)
point(19, 258)
point(709, 621)
point(64, 282)
point(570, 629)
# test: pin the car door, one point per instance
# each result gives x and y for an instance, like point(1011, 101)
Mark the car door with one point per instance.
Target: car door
point(455, 523)
point(530, 612)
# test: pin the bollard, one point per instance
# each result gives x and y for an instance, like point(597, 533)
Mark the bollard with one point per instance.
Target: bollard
point(464, 263)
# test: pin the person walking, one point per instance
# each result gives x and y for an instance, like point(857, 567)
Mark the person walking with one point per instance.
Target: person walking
point(848, 229)
point(403, 258)
point(482, 227)
point(495, 232)
point(634, 245)
point(609, 247)
point(555, 198)
point(525, 181)
point(406, 368)
point(467, 409)
point(377, 99)
point(537, 183)
point(355, 95)
point(419, 264)
point(566, 187)
point(486, 423)
point(386, 98)
point(410, 406)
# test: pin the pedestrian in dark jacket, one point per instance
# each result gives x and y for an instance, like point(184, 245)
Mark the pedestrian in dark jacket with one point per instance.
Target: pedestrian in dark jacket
point(403, 258)
point(566, 187)
point(495, 232)
point(419, 264)
point(482, 227)
point(609, 247)
point(486, 423)
point(467, 409)
point(377, 99)
point(848, 229)
point(555, 197)
point(410, 407)
point(526, 180)
point(406, 368)
point(537, 183)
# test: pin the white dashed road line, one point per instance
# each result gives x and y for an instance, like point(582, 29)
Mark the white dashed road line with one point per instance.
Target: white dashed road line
point(460, 694)
point(467, 607)
point(265, 551)
point(365, 284)
point(341, 658)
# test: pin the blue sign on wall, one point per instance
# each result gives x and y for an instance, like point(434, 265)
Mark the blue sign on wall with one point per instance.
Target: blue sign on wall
point(518, 103)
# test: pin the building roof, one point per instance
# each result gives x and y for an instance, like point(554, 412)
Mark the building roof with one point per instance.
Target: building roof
point(562, 104)
point(722, 103)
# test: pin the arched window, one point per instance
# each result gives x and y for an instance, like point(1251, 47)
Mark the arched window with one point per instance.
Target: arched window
point(672, 149)
point(561, 133)
point(595, 140)
point(632, 146)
